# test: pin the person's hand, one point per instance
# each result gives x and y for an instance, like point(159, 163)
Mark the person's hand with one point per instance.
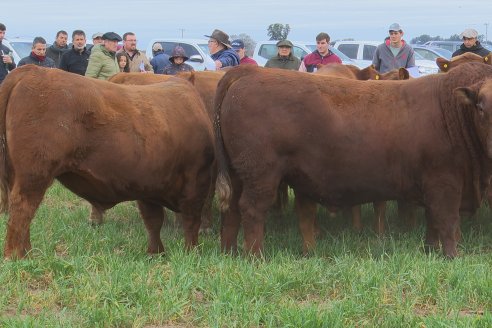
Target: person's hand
point(7, 59)
point(218, 64)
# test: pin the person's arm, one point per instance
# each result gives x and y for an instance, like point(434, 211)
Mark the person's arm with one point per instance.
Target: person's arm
point(94, 66)
point(375, 60)
point(64, 62)
point(302, 68)
point(411, 58)
point(148, 67)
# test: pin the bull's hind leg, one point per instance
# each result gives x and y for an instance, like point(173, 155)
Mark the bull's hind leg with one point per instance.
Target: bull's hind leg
point(23, 203)
point(153, 217)
point(379, 216)
point(231, 219)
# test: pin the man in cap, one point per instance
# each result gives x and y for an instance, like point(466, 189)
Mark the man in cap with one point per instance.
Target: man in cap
point(97, 38)
point(220, 50)
point(322, 55)
point(76, 59)
point(102, 62)
point(138, 61)
point(238, 47)
point(159, 60)
point(471, 44)
point(284, 58)
point(393, 53)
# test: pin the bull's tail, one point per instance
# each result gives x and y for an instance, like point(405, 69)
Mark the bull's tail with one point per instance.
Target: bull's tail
point(5, 90)
point(223, 185)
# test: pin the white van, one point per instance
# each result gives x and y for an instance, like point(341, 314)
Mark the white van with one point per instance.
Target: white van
point(196, 49)
point(363, 52)
point(264, 50)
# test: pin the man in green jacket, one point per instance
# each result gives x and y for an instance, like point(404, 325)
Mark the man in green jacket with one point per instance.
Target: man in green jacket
point(284, 59)
point(102, 62)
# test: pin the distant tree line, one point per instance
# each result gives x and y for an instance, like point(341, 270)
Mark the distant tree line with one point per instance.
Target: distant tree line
point(455, 37)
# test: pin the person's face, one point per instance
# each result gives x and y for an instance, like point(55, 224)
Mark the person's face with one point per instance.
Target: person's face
point(97, 40)
point(2, 35)
point(469, 42)
point(213, 46)
point(395, 36)
point(284, 51)
point(78, 42)
point(61, 40)
point(39, 49)
point(322, 46)
point(130, 43)
point(111, 45)
point(122, 61)
point(178, 60)
point(241, 52)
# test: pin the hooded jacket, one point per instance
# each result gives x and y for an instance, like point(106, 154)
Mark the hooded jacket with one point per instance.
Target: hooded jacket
point(384, 60)
point(56, 53)
point(227, 57)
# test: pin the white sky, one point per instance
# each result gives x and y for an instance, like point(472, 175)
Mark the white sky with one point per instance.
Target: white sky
point(358, 19)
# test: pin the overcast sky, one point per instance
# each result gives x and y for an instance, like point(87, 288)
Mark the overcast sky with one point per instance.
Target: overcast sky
point(359, 19)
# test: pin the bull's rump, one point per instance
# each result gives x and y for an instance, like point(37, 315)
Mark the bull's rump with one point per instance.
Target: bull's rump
point(341, 142)
point(107, 142)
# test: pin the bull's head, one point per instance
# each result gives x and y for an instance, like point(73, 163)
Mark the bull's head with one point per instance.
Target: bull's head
point(478, 97)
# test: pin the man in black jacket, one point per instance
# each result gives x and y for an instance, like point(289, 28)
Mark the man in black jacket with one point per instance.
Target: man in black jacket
point(76, 59)
point(56, 50)
point(471, 44)
point(6, 62)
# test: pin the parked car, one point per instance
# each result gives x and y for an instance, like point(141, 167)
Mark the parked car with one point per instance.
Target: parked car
point(431, 53)
point(362, 52)
point(196, 49)
point(264, 50)
point(448, 45)
point(20, 47)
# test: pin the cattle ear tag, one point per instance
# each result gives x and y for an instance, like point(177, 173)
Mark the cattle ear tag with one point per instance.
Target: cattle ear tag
point(445, 65)
point(377, 77)
point(486, 59)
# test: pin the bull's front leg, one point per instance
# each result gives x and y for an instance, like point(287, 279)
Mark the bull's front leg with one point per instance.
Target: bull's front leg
point(306, 214)
point(153, 217)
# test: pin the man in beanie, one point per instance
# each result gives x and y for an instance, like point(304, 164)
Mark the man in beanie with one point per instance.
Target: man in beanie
point(284, 58)
point(159, 60)
point(393, 53)
point(102, 62)
point(471, 44)
point(238, 47)
point(220, 50)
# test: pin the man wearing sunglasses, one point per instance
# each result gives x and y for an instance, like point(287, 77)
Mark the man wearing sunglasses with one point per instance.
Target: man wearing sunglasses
point(471, 44)
point(394, 52)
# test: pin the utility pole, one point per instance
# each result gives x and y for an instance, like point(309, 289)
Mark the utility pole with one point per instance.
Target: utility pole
point(182, 32)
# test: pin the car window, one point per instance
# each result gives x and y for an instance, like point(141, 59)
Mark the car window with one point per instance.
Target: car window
point(188, 48)
point(349, 49)
point(299, 52)
point(426, 54)
point(368, 52)
point(267, 51)
point(23, 49)
point(204, 48)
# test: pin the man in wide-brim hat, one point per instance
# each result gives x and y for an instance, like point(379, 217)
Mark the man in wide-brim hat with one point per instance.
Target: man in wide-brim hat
point(220, 50)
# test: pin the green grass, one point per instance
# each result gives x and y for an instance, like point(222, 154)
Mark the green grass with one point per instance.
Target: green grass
point(80, 276)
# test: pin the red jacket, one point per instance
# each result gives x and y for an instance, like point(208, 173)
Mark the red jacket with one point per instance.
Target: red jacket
point(315, 58)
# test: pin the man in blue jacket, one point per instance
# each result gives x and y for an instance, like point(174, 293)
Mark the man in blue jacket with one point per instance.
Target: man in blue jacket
point(7, 63)
point(220, 50)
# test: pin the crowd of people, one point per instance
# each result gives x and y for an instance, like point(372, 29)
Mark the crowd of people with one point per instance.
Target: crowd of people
point(106, 58)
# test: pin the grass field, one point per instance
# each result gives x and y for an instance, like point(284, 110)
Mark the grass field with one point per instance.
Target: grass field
point(80, 276)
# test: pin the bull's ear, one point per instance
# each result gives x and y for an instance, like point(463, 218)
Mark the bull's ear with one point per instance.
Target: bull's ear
point(443, 64)
point(488, 59)
point(466, 96)
point(403, 74)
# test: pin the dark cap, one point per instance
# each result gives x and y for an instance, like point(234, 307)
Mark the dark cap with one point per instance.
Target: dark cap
point(237, 44)
point(111, 36)
point(284, 43)
point(221, 37)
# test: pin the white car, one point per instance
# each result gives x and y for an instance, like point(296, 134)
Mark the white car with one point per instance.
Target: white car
point(264, 50)
point(196, 49)
point(363, 52)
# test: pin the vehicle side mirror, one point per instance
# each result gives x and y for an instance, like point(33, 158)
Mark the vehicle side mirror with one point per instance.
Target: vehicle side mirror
point(196, 59)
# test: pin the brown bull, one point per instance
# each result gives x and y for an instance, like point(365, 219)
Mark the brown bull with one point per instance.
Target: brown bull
point(105, 142)
point(343, 142)
point(468, 57)
point(368, 73)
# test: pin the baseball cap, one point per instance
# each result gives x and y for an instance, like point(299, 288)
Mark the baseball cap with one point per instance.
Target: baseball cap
point(97, 35)
point(469, 33)
point(157, 47)
point(395, 27)
point(237, 44)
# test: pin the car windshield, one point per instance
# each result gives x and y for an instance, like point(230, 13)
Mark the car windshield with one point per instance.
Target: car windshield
point(22, 48)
